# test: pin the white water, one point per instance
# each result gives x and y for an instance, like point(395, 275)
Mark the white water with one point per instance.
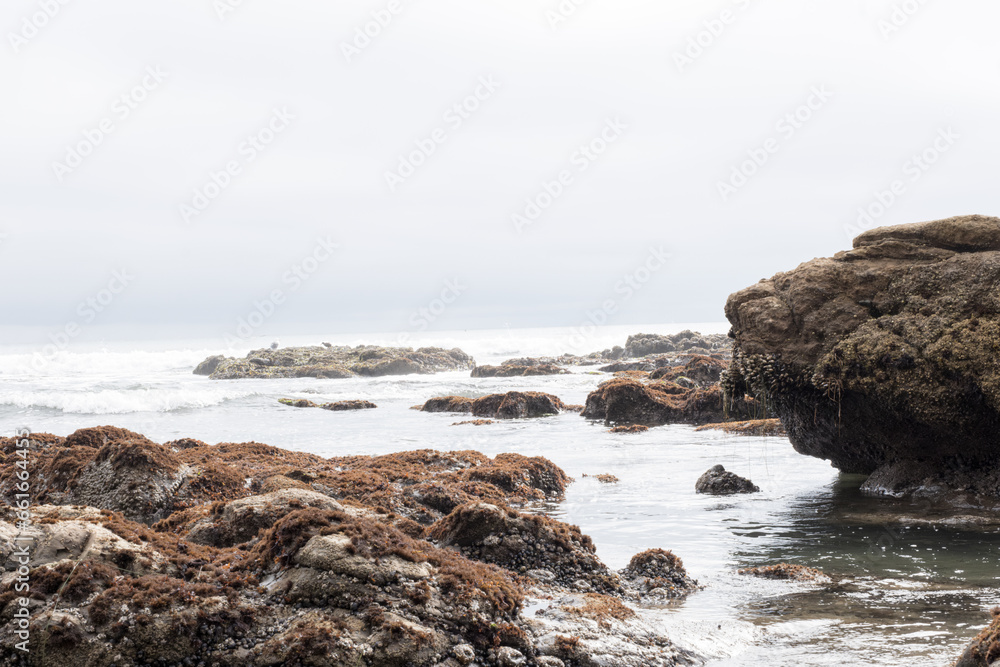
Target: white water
point(911, 594)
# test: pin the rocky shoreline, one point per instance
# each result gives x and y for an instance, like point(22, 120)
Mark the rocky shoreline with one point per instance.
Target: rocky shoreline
point(246, 554)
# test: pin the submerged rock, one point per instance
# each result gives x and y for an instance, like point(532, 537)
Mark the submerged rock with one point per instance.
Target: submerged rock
point(336, 362)
point(985, 648)
point(884, 359)
point(787, 572)
point(518, 368)
point(717, 481)
point(758, 427)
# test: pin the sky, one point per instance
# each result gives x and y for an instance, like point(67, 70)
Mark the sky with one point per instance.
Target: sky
point(412, 165)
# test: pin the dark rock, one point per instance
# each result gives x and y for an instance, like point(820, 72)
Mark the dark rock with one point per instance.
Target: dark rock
point(883, 359)
point(717, 481)
point(512, 405)
point(787, 572)
point(659, 573)
point(507, 370)
point(629, 401)
point(984, 650)
point(208, 366)
point(757, 427)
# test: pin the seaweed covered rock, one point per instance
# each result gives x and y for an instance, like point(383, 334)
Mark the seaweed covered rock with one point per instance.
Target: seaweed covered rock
point(984, 650)
point(631, 401)
point(642, 345)
point(718, 481)
point(329, 568)
point(541, 546)
point(659, 573)
point(884, 358)
point(787, 572)
point(336, 362)
point(758, 427)
point(511, 405)
point(337, 406)
point(518, 368)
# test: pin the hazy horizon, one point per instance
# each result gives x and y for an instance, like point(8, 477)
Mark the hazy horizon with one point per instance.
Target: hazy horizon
point(467, 166)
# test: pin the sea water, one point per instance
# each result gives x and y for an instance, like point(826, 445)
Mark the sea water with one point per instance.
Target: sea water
point(912, 583)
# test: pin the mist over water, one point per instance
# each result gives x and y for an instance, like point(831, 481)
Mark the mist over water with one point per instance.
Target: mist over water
point(913, 582)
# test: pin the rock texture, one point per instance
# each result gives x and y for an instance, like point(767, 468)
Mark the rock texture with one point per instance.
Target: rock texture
point(885, 359)
point(985, 648)
point(758, 427)
point(338, 406)
point(628, 401)
point(335, 362)
point(241, 554)
point(512, 405)
point(519, 368)
point(717, 481)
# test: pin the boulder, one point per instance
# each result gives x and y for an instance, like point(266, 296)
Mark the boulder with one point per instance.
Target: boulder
point(717, 481)
point(208, 366)
point(884, 359)
point(512, 405)
point(631, 401)
point(984, 650)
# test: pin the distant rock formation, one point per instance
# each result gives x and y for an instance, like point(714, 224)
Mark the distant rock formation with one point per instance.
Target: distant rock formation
point(335, 362)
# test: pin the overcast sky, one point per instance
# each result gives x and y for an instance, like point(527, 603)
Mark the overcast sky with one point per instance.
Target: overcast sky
point(670, 96)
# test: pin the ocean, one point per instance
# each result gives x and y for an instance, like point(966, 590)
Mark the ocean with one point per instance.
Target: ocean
point(913, 585)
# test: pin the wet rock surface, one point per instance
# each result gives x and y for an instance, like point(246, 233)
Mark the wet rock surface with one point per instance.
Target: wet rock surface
point(338, 406)
point(246, 554)
point(757, 427)
point(335, 362)
point(884, 359)
point(511, 405)
point(718, 481)
point(629, 401)
point(520, 368)
point(787, 572)
point(984, 650)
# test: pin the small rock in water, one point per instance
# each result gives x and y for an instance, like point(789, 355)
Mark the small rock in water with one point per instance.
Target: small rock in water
point(717, 481)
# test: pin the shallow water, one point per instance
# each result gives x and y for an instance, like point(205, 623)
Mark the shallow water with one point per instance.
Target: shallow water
point(913, 582)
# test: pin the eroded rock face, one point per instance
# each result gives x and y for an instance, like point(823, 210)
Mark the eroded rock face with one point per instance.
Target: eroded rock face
point(335, 362)
point(884, 358)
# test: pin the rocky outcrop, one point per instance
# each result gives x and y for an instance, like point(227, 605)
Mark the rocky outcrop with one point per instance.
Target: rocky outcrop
point(519, 368)
point(338, 406)
point(336, 362)
point(642, 345)
point(884, 359)
point(718, 481)
point(787, 572)
point(985, 648)
point(629, 401)
point(512, 405)
point(273, 557)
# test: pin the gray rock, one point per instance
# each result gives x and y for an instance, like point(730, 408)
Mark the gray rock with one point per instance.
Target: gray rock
point(717, 481)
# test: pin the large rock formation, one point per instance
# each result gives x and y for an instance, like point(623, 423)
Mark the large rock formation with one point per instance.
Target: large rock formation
point(335, 362)
point(273, 557)
point(884, 359)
